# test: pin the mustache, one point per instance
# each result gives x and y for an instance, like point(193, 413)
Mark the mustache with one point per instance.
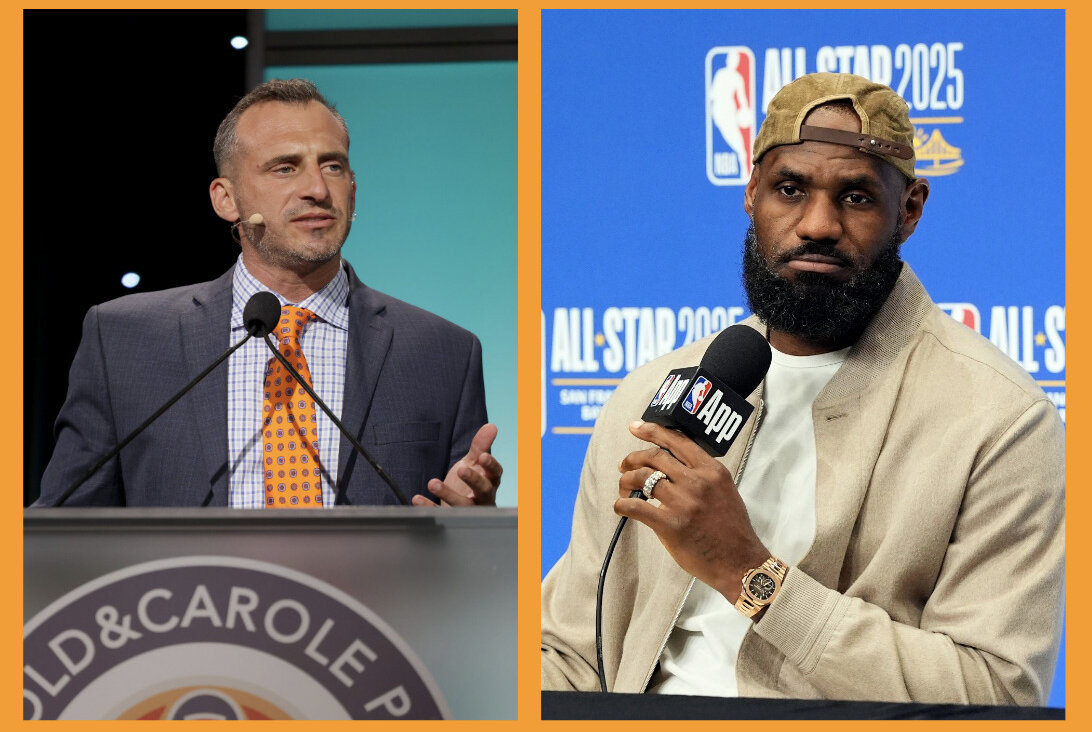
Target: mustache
point(311, 209)
point(815, 247)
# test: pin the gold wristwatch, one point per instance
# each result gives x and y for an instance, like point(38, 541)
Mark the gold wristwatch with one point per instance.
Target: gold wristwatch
point(760, 586)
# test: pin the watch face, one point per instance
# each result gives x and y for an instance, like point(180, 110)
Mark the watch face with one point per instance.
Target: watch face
point(761, 586)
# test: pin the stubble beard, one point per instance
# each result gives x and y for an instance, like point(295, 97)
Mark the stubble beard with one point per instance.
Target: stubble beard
point(814, 306)
point(273, 247)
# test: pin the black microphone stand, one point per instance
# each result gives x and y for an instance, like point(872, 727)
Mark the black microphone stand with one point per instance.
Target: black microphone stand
point(132, 435)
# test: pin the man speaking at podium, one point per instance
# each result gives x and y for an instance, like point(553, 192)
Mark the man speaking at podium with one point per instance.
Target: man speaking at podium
point(406, 383)
point(899, 488)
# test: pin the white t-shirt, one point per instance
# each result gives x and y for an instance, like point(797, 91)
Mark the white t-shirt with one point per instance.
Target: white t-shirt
point(778, 487)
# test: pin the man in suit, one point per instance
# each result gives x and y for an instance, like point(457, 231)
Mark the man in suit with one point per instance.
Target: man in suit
point(407, 383)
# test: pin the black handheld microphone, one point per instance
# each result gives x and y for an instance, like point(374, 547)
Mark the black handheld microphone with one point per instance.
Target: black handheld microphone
point(259, 319)
point(707, 403)
point(329, 413)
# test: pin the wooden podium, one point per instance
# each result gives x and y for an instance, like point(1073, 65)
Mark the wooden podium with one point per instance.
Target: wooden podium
point(219, 613)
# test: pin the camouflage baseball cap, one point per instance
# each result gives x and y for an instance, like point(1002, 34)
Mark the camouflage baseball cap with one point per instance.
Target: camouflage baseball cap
point(885, 118)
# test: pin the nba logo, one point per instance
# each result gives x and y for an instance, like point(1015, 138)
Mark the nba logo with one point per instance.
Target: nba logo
point(729, 114)
point(663, 390)
point(697, 395)
point(965, 313)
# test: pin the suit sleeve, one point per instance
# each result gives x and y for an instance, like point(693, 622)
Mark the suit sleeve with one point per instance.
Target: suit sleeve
point(84, 430)
point(989, 632)
point(471, 413)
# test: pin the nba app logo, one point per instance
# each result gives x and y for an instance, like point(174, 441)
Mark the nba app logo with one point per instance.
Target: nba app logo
point(697, 395)
point(729, 114)
point(663, 390)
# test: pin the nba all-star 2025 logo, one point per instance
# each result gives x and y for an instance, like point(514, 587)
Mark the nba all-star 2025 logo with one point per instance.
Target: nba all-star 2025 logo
point(927, 76)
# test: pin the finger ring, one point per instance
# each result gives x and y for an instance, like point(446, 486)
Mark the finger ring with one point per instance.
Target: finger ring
point(650, 483)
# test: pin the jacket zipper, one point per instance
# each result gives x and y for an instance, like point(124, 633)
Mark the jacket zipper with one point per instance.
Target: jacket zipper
point(689, 587)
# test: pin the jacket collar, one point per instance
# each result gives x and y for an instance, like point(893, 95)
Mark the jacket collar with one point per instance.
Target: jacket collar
point(210, 314)
point(370, 335)
point(890, 331)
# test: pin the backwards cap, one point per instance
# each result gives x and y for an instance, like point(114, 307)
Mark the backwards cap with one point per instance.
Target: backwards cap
point(886, 131)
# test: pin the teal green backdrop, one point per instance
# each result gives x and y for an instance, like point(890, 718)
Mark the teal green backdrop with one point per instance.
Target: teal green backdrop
point(434, 148)
point(298, 20)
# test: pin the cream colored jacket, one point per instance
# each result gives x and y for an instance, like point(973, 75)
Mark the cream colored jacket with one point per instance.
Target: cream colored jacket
point(936, 574)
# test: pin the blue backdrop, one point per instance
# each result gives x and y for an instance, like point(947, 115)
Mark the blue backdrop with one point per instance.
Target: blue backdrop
point(641, 164)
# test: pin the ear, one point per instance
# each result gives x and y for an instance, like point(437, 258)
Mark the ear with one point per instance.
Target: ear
point(913, 204)
point(223, 199)
point(352, 194)
point(749, 192)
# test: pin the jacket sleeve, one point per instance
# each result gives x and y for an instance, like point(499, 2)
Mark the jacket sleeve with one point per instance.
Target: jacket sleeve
point(471, 413)
point(84, 430)
point(989, 631)
point(568, 591)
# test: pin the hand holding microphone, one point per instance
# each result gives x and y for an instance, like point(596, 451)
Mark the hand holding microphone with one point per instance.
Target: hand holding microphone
point(701, 518)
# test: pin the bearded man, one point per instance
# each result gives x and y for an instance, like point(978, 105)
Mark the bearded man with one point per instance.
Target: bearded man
point(899, 489)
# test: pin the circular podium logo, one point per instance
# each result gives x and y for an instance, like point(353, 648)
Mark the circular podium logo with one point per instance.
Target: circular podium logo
point(218, 638)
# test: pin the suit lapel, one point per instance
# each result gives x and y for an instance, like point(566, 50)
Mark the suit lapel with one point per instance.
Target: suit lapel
point(207, 403)
point(369, 342)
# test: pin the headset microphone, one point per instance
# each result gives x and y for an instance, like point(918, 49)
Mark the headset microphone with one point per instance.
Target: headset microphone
point(254, 220)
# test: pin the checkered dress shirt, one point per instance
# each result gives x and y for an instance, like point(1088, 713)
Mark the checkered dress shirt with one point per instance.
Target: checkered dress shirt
point(324, 346)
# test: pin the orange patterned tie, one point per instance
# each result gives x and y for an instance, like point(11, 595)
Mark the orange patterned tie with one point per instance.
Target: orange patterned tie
point(292, 478)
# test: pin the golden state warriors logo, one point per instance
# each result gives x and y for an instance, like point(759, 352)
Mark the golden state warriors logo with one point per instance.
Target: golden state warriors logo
point(218, 638)
point(930, 78)
point(729, 114)
point(933, 154)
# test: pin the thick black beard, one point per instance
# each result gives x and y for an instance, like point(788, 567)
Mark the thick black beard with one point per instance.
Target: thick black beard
point(814, 307)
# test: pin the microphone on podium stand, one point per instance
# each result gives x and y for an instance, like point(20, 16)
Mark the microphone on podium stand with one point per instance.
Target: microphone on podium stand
point(260, 317)
point(273, 303)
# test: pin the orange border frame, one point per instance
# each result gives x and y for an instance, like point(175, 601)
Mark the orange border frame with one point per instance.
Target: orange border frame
point(1077, 93)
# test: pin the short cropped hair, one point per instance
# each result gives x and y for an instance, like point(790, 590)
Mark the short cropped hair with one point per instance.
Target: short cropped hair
point(290, 91)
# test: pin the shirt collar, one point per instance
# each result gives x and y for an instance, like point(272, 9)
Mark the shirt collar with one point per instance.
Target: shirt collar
point(329, 303)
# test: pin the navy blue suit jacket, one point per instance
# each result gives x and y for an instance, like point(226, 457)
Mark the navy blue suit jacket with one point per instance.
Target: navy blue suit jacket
point(414, 398)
